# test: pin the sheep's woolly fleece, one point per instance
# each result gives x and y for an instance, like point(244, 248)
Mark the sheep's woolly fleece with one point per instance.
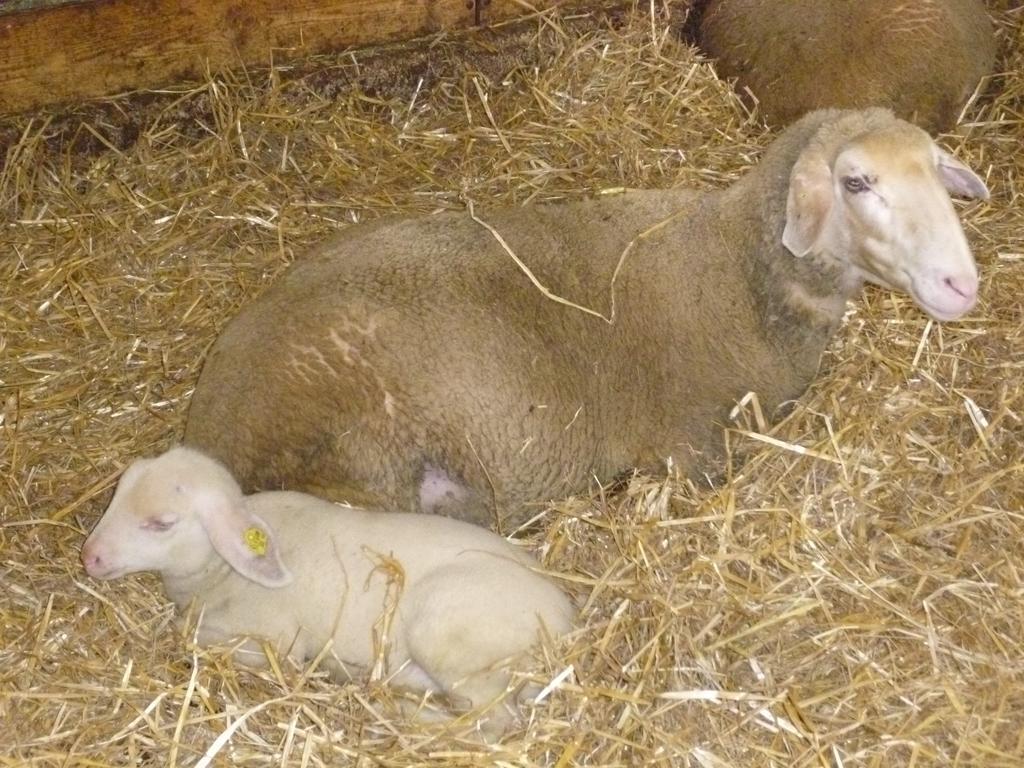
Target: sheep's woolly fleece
point(850, 593)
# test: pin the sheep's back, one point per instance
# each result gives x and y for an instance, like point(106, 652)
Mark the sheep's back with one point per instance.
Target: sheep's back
point(921, 59)
point(418, 342)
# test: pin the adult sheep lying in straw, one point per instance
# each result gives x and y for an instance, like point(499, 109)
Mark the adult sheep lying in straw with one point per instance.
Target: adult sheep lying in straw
point(923, 59)
point(418, 363)
point(443, 603)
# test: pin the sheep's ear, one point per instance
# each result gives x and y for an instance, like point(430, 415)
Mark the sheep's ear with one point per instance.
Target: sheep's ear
point(958, 178)
point(808, 204)
point(243, 539)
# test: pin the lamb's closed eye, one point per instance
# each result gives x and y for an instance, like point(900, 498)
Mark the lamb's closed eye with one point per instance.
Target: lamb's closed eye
point(158, 524)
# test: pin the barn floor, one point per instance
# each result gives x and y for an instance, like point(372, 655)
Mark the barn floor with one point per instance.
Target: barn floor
point(851, 594)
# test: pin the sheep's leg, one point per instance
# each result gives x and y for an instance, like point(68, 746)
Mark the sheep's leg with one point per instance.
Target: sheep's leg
point(412, 676)
point(480, 695)
point(485, 693)
point(249, 653)
point(464, 623)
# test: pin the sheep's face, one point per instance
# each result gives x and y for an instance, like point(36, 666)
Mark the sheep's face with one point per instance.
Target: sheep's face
point(177, 514)
point(148, 526)
point(883, 207)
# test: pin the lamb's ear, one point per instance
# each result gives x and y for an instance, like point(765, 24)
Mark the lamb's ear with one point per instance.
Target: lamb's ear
point(243, 539)
point(958, 178)
point(808, 204)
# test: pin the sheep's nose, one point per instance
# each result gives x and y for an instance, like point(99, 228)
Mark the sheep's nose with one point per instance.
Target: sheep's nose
point(91, 560)
point(963, 285)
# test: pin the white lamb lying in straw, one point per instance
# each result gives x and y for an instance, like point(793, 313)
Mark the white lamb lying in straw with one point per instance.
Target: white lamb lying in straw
point(443, 603)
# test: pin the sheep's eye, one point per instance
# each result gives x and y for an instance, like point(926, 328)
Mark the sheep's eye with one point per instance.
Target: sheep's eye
point(856, 184)
point(158, 524)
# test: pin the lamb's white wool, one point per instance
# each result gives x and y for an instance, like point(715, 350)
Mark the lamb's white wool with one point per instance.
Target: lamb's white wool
point(454, 601)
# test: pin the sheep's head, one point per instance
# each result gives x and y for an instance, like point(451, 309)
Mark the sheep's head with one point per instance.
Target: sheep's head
point(175, 514)
point(881, 204)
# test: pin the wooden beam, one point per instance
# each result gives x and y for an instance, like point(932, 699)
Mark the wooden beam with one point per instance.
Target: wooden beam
point(73, 52)
point(9, 6)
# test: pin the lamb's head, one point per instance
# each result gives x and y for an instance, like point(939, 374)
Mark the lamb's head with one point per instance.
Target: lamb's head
point(880, 203)
point(176, 514)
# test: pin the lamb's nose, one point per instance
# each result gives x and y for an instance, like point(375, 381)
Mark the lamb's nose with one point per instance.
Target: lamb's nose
point(91, 560)
point(963, 285)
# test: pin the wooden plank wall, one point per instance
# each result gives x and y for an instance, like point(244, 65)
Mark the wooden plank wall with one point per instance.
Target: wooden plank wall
point(71, 52)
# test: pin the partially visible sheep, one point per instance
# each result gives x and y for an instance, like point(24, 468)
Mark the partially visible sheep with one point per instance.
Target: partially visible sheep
point(922, 58)
point(444, 603)
point(412, 364)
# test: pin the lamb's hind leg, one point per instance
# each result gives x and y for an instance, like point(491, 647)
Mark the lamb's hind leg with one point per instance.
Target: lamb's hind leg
point(467, 621)
point(471, 694)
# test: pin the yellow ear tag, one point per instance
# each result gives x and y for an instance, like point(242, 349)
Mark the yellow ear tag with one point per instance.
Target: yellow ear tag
point(256, 540)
